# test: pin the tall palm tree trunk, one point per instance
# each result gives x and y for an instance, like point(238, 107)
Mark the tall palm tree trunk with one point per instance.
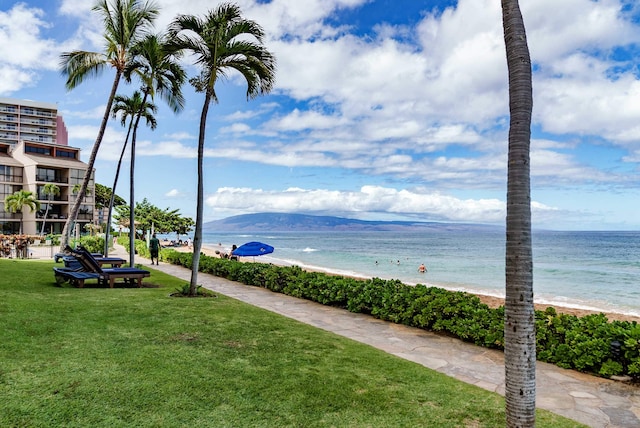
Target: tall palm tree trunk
point(519, 322)
point(46, 213)
point(113, 191)
point(132, 214)
point(73, 215)
point(197, 235)
point(132, 224)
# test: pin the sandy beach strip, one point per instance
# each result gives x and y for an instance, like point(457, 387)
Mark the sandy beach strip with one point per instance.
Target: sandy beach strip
point(491, 301)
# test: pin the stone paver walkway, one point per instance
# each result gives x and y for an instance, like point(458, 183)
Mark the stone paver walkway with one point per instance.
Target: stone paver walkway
point(587, 399)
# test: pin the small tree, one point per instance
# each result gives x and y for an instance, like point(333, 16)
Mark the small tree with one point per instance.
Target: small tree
point(127, 107)
point(17, 201)
point(50, 190)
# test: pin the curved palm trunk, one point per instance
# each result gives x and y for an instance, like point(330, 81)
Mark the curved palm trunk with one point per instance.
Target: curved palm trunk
point(46, 213)
point(519, 322)
point(73, 215)
point(132, 224)
point(197, 235)
point(113, 190)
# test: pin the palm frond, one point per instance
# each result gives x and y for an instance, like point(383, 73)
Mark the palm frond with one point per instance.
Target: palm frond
point(78, 65)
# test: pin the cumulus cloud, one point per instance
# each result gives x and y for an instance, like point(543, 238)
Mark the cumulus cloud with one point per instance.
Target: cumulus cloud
point(24, 51)
point(427, 204)
point(423, 104)
point(181, 136)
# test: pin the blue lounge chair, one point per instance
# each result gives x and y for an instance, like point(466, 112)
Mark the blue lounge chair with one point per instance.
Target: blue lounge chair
point(72, 262)
point(91, 269)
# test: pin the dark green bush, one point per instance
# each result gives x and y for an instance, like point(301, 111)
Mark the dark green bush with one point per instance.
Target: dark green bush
point(583, 344)
point(93, 244)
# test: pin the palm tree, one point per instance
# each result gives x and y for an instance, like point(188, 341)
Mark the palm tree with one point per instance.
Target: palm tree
point(17, 201)
point(49, 190)
point(128, 107)
point(76, 191)
point(156, 65)
point(222, 41)
point(125, 22)
point(519, 322)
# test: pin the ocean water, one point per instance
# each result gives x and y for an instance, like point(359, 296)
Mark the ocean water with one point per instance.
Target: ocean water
point(589, 270)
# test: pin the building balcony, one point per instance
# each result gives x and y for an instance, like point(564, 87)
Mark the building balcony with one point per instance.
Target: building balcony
point(11, 178)
point(29, 111)
point(50, 215)
point(38, 139)
point(9, 216)
point(52, 179)
point(40, 130)
point(39, 122)
point(44, 200)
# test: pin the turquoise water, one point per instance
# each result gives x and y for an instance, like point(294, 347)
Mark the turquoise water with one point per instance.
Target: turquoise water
point(590, 270)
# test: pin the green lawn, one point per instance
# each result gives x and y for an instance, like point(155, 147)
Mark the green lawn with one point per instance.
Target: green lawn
point(136, 357)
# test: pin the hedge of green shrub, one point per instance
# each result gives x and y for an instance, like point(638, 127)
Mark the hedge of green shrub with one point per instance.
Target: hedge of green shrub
point(93, 244)
point(140, 245)
point(580, 343)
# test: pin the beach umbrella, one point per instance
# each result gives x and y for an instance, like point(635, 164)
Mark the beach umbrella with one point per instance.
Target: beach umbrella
point(252, 249)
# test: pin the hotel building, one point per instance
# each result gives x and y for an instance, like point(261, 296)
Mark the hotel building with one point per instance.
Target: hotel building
point(34, 151)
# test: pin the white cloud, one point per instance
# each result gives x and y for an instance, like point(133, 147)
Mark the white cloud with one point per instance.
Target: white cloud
point(236, 128)
point(77, 8)
point(23, 50)
point(95, 114)
point(427, 204)
point(181, 136)
point(13, 79)
point(424, 105)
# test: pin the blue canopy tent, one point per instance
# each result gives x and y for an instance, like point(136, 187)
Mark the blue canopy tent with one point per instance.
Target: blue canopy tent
point(252, 249)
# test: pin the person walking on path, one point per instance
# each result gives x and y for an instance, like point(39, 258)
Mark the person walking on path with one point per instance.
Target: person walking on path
point(154, 248)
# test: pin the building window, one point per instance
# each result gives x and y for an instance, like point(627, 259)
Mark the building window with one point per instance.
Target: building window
point(11, 174)
point(49, 175)
point(65, 154)
point(38, 150)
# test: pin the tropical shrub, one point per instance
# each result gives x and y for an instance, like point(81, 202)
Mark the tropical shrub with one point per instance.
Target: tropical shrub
point(93, 244)
point(581, 343)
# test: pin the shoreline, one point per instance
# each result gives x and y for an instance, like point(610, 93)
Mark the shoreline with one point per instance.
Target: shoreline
point(489, 300)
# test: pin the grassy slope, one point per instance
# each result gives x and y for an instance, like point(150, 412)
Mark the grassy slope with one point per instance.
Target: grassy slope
point(136, 357)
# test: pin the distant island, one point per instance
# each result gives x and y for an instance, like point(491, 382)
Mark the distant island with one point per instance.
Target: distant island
point(284, 222)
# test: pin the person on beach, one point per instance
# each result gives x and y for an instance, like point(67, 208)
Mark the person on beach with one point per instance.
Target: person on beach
point(422, 268)
point(154, 248)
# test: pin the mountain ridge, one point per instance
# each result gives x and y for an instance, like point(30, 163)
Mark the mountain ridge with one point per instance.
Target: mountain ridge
point(286, 222)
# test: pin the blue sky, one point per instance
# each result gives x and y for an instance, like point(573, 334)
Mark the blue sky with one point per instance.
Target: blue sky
point(388, 109)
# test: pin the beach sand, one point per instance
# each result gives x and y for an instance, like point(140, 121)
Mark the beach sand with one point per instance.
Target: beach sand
point(491, 301)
